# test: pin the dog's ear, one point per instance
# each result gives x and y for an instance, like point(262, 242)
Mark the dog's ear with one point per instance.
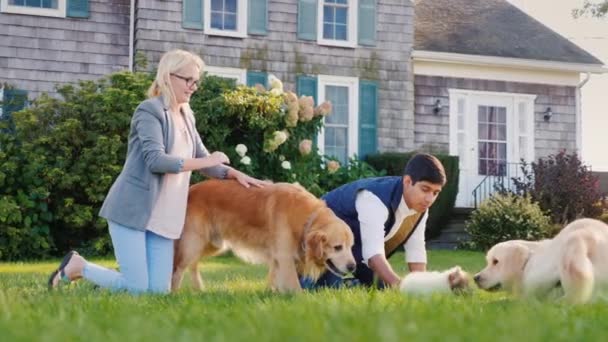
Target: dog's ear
point(519, 255)
point(315, 241)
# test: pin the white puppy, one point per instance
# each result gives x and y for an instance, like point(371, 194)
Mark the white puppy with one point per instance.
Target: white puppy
point(575, 260)
point(454, 280)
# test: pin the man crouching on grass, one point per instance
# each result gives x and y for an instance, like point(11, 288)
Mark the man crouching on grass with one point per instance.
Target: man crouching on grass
point(385, 213)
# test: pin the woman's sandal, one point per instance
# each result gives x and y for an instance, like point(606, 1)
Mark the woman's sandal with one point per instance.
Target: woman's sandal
point(53, 282)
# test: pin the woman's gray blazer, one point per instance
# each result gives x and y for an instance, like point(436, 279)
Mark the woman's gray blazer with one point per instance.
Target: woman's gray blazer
point(133, 195)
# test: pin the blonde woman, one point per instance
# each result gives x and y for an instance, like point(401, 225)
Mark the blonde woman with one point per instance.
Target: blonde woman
point(146, 206)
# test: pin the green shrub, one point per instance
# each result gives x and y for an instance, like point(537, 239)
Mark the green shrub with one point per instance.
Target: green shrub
point(439, 214)
point(59, 163)
point(505, 217)
point(61, 156)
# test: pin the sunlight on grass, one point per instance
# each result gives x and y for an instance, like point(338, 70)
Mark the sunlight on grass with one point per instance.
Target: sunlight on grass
point(237, 305)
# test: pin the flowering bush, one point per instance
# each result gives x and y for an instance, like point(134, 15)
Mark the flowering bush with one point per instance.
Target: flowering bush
point(269, 133)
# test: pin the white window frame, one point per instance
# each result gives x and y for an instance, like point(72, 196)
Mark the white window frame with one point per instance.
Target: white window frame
point(240, 75)
point(60, 12)
point(353, 104)
point(241, 21)
point(352, 33)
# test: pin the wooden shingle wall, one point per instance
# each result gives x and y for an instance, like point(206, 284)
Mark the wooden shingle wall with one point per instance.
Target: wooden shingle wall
point(159, 28)
point(37, 52)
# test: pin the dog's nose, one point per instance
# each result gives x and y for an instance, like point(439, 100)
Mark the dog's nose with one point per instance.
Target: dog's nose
point(477, 278)
point(351, 267)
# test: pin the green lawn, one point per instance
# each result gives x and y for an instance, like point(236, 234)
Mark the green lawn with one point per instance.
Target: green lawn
point(236, 307)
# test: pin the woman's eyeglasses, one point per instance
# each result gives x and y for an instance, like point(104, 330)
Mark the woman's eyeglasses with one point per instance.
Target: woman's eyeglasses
point(189, 80)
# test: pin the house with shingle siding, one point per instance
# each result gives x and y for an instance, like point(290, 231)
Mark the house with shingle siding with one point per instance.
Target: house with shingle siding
point(494, 86)
point(470, 77)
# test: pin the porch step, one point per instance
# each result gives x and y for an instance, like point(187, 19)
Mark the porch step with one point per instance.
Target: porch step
point(454, 232)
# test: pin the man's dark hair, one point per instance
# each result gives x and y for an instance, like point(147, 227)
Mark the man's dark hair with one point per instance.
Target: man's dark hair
point(425, 167)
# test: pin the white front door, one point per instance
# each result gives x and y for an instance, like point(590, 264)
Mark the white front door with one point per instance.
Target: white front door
point(490, 132)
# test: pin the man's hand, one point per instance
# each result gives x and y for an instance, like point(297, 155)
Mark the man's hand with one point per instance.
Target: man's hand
point(383, 270)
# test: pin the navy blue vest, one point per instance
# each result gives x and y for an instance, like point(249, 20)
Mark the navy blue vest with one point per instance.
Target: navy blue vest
point(342, 201)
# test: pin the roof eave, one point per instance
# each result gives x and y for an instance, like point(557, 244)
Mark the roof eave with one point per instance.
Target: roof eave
point(507, 62)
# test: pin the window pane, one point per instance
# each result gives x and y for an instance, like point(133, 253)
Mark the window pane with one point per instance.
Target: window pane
point(482, 170)
point(502, 114)
point(328, 14)
point(341, 32)
point(338, 96)
point(491, 132)
point(341, 14)
point(17, 2)
point(230, 22)
point(328, 31)
point(335, 143)
point(491, 114)
point(49, 3)
point(216, 20)
point(482, 115)
point(483, 149)
point(217, 5)
point(230, 6)
point(483, 131)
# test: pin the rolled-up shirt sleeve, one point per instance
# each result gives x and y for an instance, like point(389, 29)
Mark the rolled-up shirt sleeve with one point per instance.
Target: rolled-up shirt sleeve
point(371, 214)
point(149, 131)
point(218, 171)
point(415, 247)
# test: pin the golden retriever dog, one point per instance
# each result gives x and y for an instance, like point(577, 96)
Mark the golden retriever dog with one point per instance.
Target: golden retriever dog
point(281, 225)
point(576, 259)
point(454, 280)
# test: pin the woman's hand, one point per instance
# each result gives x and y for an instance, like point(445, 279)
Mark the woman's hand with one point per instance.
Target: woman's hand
point(246, 180)
point(219, 158)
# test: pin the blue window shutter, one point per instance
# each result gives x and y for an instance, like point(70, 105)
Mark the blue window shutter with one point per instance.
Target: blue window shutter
point(367, 22)
point(368, 112)
point(78, 8)
point(192, 14)
point(14, 100)
point(258, 17)
point(307, 85)
point(255, 77)
point(307, 19)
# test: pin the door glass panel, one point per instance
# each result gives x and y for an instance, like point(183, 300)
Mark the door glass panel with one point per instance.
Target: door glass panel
point(492, 140)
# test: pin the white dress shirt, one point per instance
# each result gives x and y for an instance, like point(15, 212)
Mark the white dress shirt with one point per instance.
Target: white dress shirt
point(373, 214)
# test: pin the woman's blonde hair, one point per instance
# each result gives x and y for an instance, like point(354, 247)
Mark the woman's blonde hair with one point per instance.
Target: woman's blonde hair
point(171, 62)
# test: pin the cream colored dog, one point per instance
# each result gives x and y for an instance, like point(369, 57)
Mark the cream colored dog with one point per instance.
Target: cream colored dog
point(576, 259)
point(281, 225)
point(454, 280)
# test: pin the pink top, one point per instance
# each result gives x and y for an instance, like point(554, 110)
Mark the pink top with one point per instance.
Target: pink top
point(169, 212)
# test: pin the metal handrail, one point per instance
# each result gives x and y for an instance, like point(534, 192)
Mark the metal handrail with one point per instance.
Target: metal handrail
point(494, 183)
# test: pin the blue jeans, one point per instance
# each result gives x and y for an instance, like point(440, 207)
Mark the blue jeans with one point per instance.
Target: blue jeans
point(145, 260)
point(328, 280)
